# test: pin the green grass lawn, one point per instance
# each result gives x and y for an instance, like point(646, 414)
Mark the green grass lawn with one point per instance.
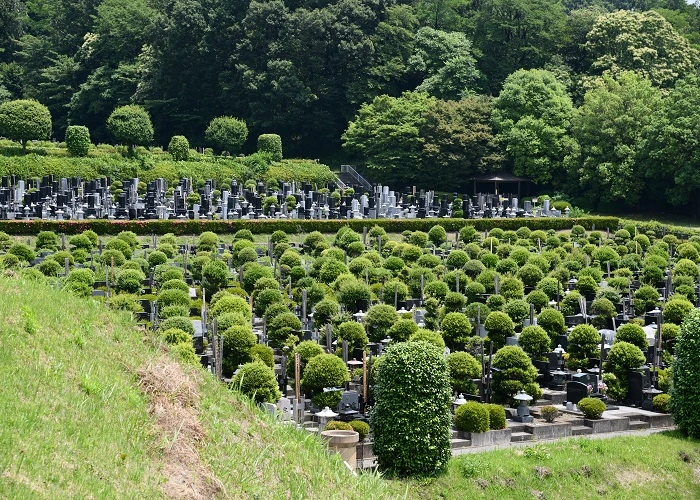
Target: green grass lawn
point(664, 465)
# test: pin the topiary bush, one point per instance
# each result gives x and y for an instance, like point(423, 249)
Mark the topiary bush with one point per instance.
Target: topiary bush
point(270, 144)
point(281, 327)
point(472, 417)
point(175, 336)
point(685, 391)
point(411, 418)
point(662, 403)
point(379, 319)
point(455, 328)
point(592, 408)
point(238, 341)
point(584, 342)
point(549, 413)
point(337, 425)
point(257, 381)
point(463, 368)
point(354, 334)
point(634, 334)
point(179, 148)
point(534, 340)
point(402, 330)
point(362, 428)
point(676, 309)
point(260, 352)
point(425, 335)
point(180, 322)
point(173, 297)
point(499, 326)
point(516, 373)
point(323, 371)
point(78, 140)
point(552, 321)
point(497, 417)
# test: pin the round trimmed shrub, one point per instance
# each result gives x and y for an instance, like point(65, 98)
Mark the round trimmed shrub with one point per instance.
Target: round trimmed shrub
point(307, 349)
point(238, 341)
point(260, 352)
point(176, 336)
point(645, 297)
point(174, 310)
point(78, 140)
point(592, 408)
point(155, 258)
point(131, 125)
point(530, 274)
point(23, 252)
point(455, 328)
point(454, 301)
point(265, 298)
point(457, 259)
point(497, 417)
point(411, 418)
point(677, 309)
point(228, 304)
point(534, 340)
point(180, 322)
point(50, 268)
point(173, 297)
point(226, 133)
point(282, 326)
point(82, 242)
point(512, 288)
point(324, 310)
point(257, 381)
point(462, 368)
point(538, 298)
point(184, 351)
point(175, 284)
point(379, 319)
point(633, 334)
point(337, 425)
point(47, 240)
point(362, 428)
point(472, 417)
point(402, 330)
point(354, 333)
point(322, 371)
point(353, 294)
point(603, 310)
point(437, 235)
point(662, 403)
point(425, 335)
point(622, 357)
point(437, 289)
point(685, 392)
point(129, 281)
point(516, 373)
point(552, 321)
point(499, 326)
point(517, 310)
point(584, 342)
point(179, 148)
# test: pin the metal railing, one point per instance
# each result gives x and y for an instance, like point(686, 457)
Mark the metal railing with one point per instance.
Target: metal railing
point(356, 177)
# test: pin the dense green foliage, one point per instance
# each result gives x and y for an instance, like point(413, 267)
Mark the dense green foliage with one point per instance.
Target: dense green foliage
point(686, 377)
point(411, 418)
point(597, 101)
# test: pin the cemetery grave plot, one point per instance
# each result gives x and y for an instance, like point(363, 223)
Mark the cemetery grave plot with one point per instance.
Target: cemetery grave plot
point(51, 198)
point(527, 319)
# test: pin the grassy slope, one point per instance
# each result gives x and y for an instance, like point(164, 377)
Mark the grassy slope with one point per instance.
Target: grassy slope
point(74, 424)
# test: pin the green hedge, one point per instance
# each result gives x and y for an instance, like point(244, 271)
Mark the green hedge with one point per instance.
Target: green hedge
point(105, 227)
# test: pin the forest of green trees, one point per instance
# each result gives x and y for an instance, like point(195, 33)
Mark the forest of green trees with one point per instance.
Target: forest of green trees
point(595, 99)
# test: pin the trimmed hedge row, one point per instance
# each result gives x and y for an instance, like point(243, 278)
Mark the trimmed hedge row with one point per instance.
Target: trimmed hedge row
point(105, 227)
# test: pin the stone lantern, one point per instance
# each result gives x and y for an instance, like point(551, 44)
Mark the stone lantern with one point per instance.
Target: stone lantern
point(523, 415)
point(323, 417)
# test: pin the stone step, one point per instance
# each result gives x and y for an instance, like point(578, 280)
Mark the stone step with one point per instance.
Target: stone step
point(519, 437)
point(581, 430)
point(516, 426)
point(460, 443)
point(639, 424)
point(542, 402)
point(555, 397)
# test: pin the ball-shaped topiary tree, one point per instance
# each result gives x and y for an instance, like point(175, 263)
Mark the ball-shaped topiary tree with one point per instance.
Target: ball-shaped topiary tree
point(677, 308)
point(179, 148)
point(281, 327)
point(455, 328)
point(472, 417)
point(552, 321)
point(411, 418)
point(238, 341)
point(25, 120)
point(402, 330)
point(499, 326)
point(131, 125)
point(634, 334)
point(514, 372)
point(226, 133)
point(354, 334)
point(78, 140)
point(463, 368)
point(534, 340)
point(321, 372)
point(257, 381)
point(379, 319)
point(621, 358)
point(685, 392)
point(584, 343)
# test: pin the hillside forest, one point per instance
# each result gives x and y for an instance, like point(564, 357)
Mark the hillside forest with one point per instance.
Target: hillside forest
point(596, 100)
